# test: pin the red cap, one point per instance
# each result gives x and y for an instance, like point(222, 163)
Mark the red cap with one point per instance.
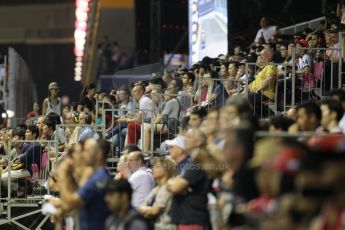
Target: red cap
point(303, 42)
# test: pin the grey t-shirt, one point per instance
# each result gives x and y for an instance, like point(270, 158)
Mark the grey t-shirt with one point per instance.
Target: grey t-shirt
point(171, 109)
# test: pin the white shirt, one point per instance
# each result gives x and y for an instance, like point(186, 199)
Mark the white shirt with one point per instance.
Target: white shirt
point(145, 104)
point(125, 108)
point(303, 62)
point(142, 183)
point(267, 33)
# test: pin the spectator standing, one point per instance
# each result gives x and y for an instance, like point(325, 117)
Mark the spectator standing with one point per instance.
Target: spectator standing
point(188, 82)
point(87, 98)
point(216, 93)
point(341, 12)
point(141, 178)
point(89, 198)
point(158, 202)
point(118, 198)
point(231, 85)
point(190, 188)
point(266, 32)
point(52, 103)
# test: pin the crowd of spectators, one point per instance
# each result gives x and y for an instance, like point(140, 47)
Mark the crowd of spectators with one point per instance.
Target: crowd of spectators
point(231, 162)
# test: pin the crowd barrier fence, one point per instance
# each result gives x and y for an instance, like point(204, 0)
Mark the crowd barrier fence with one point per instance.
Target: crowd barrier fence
point(25, 178)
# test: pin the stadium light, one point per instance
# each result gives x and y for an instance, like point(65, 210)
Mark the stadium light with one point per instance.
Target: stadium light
point(81, 14)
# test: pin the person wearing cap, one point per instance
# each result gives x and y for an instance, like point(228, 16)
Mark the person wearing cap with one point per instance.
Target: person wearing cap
point(190, 187)
point(118, 199)
point(52, 103)
point(141, 178)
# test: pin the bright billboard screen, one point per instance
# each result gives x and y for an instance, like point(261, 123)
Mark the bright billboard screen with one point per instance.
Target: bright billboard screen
point(208, 29)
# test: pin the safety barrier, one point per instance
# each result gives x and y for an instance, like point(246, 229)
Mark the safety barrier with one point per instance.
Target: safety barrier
point(312, 24)
point(163, 127)
point(74, 133)
point(24, 175)
point(323, 74)
point(126, 129)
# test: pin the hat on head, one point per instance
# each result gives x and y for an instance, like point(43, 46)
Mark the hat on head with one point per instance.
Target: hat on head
point(178, 141)
point(53, 85)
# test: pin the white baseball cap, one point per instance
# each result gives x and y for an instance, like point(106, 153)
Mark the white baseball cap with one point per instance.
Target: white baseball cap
point(178, 141)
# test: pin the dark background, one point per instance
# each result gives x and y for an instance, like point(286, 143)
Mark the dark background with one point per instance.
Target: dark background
point(56, 61)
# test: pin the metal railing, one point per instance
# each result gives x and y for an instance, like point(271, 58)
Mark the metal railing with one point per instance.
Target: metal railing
point(30, 174)
point(312, 24)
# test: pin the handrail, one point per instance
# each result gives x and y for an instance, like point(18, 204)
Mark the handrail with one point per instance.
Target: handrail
point(294, 27)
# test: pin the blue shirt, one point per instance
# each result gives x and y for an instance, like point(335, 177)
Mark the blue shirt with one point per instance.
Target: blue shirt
point(32, 155)
point(93, 215)
point(86, 133)
point(221, 95)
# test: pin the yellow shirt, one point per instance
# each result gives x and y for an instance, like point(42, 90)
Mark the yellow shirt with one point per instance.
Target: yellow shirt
point(269, 70)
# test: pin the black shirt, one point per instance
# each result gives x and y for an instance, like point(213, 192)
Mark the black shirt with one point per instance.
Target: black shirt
point(88, 103)
point(131, 221)
point(191, 207)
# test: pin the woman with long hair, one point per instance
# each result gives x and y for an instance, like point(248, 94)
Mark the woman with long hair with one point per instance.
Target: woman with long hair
point(87, 98)
point(216, 93)
point(52, 103)
point(158, 202)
